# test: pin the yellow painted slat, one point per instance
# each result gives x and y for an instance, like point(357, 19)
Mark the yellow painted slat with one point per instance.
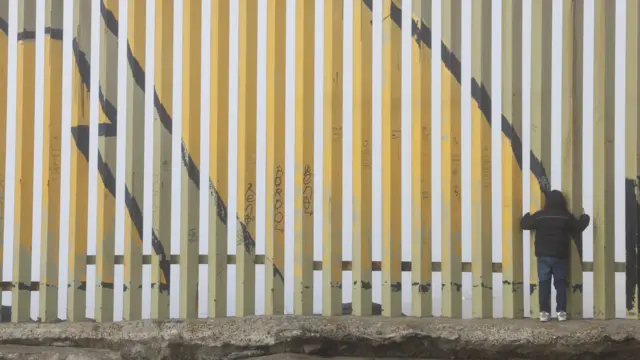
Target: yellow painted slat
point(78, 207)
point(4, 70)
point(189, 197)
point(332, 160)
point(219, 158)
point(247, 121)
point(362, 117)
point(23, 209)
point(572, 138)
point(540, 124)
point(275, 197)
point(421, 294)
point(632, 156)
point(303, 168)
point(451, 164)
point(391, 152)
point(512, 269)
point(134, 173)
point(481, 231)
point(51, 161)
point(603, 160)
point(162, 163)
point(108, 153)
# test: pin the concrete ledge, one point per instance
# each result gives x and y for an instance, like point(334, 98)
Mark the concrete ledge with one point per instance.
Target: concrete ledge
point(236, 338)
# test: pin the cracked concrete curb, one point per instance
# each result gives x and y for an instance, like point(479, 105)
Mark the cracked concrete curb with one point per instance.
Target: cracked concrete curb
point(236, 338)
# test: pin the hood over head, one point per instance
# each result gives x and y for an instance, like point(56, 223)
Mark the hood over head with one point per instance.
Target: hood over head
point(555, 200)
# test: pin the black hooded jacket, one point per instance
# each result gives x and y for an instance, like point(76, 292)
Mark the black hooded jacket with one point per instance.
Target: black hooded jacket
point(554, 226)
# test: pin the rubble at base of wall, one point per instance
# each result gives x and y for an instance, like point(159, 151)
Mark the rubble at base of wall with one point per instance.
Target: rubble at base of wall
point(368, 337)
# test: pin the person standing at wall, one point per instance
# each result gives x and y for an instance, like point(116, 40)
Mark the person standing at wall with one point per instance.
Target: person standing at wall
point(553, 227)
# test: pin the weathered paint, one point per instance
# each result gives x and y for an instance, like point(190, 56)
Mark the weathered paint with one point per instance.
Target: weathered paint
point(4, 70)
point(481, 226)
point(162, 162)
point(134, 159)
point(391, 153)
point(189, 197)
point(193, 169)
point(603, 161)
point(163, 116)
point(218, 157)
point(190, 163)
point(572, 141)
point(496, 267)
point(107, 148)
point(632, 158)
point(332, 160)
point(247, 121)
point(78, 206)
point(452, 72)
point(451, 207)
point(512, 277)
point(275, 153)
point(51, 162)
point(362, 191)
point(540, 131)
point(108, 129)
point(421, 294)
point(25, 116)
point(303, 164)
point(451, 67)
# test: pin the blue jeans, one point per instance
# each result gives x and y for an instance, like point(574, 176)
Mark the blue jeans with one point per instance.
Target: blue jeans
point(547, 267)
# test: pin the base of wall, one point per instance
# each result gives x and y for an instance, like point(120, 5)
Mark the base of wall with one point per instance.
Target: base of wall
point(238, 338)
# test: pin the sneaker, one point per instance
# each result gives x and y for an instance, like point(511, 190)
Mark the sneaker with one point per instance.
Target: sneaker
point(545, 316)
point(562, 316)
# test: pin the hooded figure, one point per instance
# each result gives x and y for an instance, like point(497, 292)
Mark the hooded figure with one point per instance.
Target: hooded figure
point(554, 226)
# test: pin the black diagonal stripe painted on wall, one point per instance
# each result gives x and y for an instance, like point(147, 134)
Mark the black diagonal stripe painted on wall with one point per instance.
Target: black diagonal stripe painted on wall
point(192, 170)
point(26, 35)
point(55, 34)
point(478, 93)
point(632, 243)
point(4, 26)
point(81, 136)
point(421, 34)
point(109, 18)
